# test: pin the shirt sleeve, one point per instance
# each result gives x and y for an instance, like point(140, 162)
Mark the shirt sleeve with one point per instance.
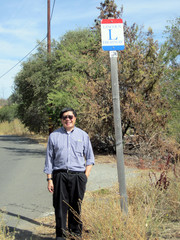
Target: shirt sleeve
point(49, 157)
point(88, 152)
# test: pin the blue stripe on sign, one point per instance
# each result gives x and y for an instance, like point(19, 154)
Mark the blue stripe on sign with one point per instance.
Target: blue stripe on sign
point(113, 48)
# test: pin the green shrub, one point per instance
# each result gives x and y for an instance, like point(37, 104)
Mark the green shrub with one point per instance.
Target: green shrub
point(8, 113)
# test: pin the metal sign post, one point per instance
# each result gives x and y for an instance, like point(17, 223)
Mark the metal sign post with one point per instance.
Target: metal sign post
point(118, 131)
point(113, 39)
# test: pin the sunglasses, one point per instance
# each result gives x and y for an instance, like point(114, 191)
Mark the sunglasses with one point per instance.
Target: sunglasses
point(68, 116)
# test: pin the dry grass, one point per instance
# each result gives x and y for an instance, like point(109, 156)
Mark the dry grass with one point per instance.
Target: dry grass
point(17, 128)
point(151, 211)
point(153, 214)
point(5, 234)
point(13, 128)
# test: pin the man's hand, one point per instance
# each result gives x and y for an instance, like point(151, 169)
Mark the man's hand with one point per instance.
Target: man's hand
point(88, 170)
point(50, 186)
point(50, 183)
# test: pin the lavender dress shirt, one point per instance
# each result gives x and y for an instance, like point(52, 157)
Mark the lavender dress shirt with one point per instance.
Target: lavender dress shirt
point(72, 151)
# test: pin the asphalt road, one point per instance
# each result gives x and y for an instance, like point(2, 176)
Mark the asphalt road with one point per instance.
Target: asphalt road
point(23, 186)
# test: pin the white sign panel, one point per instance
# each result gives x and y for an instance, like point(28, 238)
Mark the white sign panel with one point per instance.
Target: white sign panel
point(112, 34)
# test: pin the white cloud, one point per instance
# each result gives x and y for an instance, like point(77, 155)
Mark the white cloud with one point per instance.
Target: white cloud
point(150, 7)
point(7, 82)
point(19, 31)
point(71, 15)
point(154, 14)
point(14, 50)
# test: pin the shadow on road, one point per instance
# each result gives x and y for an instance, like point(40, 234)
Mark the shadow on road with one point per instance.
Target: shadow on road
point(21, 234)
point(23, 141)
point(25, 218)
point(25, 151)
point(19, 139)
point(25, 234)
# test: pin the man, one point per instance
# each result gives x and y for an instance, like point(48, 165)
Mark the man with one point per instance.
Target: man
point(68, 163)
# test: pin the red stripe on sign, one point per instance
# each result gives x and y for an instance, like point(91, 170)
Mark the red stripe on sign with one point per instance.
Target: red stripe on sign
point(111, 21)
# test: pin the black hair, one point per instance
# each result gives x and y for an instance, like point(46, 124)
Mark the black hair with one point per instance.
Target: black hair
point(67, 109)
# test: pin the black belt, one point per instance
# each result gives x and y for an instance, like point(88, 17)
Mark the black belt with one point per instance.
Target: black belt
point(67, 171)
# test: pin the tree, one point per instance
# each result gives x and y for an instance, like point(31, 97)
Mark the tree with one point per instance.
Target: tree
point(32, 85)
point(8, 113)
point(74, 69)
point(108, 9)
point(170, 52)
point(3, 102)
point(140, 71)
point(79, 76)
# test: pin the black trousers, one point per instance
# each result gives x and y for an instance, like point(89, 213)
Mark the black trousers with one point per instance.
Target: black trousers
point(69, 189)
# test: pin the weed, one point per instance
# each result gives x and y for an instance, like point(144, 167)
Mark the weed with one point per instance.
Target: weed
point(164, 181)
point(5, 234)
point(150, 211)
point(15, 127)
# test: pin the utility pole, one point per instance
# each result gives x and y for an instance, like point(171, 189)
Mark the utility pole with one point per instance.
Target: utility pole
point(48, 28)
point(49, 54)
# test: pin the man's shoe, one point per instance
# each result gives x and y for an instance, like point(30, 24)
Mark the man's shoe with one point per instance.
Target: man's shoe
point(75, 236)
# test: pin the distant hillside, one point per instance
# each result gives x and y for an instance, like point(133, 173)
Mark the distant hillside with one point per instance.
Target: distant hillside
point(3, 102)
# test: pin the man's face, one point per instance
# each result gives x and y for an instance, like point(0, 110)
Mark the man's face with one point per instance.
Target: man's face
point(68, 120)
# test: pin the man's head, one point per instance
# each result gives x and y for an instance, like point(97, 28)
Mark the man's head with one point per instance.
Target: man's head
point(68, 118)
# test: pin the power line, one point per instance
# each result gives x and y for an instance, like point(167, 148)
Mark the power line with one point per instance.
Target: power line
point(31, 50)
point(23, 58)
point(53, 9)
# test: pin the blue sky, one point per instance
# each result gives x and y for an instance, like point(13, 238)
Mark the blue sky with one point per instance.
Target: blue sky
point(23, 22)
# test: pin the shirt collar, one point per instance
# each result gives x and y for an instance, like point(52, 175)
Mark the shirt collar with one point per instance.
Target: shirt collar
point(63, 128)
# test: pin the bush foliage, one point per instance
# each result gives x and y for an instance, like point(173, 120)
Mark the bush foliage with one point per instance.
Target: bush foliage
point(8, 113)
point(78, 75)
